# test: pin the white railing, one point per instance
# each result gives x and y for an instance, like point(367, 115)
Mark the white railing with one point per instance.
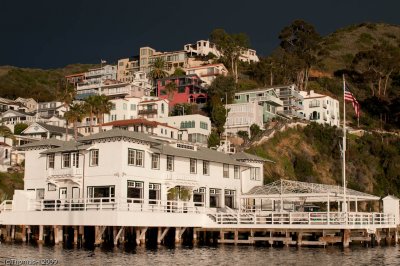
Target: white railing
point(305, 218)
point(116, 204)
point(6, 205)
point(267, 98)
point(115, 91)
point(73, 171)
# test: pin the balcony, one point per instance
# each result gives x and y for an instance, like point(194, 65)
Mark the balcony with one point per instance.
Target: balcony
point(65, 174)
point(148, 112)
point(314, 105)
point(82, 96)
point(293, 103)
point(269, 99)
point(290, 93)
point(291, 113)
point(116, 91)
point(213, 73)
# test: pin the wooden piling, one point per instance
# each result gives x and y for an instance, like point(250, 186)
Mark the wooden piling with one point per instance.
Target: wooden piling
point(299, 238)
point(76, 233)
point(138, 236)
point(55, 228)
point(40, 239)
point(23, 233)
point(346, 238)
point(195, 240)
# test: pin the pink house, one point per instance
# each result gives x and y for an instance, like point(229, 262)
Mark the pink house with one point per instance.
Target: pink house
point(189, 90)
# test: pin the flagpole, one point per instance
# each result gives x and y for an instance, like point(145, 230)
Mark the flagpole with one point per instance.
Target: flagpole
point(344, 149)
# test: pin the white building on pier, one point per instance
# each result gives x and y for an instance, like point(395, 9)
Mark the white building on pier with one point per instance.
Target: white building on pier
point(128, 179)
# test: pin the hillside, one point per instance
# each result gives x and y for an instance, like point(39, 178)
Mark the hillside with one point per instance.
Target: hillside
point(312, 154)
point(36, 83)
point(343, 44)
point(10, 182)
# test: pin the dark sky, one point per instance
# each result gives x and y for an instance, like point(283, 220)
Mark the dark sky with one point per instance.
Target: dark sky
point(48, 34)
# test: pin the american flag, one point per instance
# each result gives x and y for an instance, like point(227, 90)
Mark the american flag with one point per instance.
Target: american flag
point(348, 96)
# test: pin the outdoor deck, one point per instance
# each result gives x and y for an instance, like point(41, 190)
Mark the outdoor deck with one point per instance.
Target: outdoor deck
point(73, 211)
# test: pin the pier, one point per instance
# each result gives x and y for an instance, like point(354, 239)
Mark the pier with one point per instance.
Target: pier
point(129, 221)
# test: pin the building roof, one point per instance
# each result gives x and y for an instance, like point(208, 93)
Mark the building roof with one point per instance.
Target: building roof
point(67, 146)
point(244, 156)
point(75, 75)
point(114, 133)
point(55, 129)
point(45, 142)
point(179, 77)
point(18, 113)
point(137, 121)
point(152, 101)
point(390, 197)
point(292, 188)
point(264, 88)
point(201, 154)
point(7, 101)
point(204, 66)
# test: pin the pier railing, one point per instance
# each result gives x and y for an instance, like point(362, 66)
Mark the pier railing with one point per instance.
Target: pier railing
point(6, 205)
point(115, 204)
point(305, 218)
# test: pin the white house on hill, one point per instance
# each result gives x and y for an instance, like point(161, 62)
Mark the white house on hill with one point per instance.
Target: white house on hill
point(320, 108)
point(40, 130)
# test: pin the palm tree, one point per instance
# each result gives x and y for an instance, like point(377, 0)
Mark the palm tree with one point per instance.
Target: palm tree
point(92, 105)
point(66, 95)
point(104, 107)
point(157, 70)
point(75, 114)
point(170, 89)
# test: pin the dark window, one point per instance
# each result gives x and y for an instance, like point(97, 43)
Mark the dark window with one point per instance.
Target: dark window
point(94, 157)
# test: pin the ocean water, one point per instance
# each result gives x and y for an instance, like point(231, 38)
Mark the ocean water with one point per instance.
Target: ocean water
point(23, 254)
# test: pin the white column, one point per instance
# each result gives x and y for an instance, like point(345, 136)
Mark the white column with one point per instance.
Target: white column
point(328, 207)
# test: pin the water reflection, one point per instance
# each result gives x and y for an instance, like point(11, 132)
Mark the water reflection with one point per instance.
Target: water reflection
point(204, 255)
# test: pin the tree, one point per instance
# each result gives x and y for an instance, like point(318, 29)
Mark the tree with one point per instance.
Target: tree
point(104, 107)
point(254, 130)
point(5, 132)
point(218, 117)
point(92, 105)
point(158, 69)
point(300, 39)
point(66, 95)
point(231, 46)
point(263, 71)
point(179, 193)
point(170, 89)
point(18, 128)
point(178, 72)
point(75, 114)
point(243, 134)
point(377, 65)
point(182, 109)
point(221, 86)
point(213, 139)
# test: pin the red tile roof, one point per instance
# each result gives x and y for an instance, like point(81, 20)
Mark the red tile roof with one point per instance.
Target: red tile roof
point(204, 66)
point(150, 101)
